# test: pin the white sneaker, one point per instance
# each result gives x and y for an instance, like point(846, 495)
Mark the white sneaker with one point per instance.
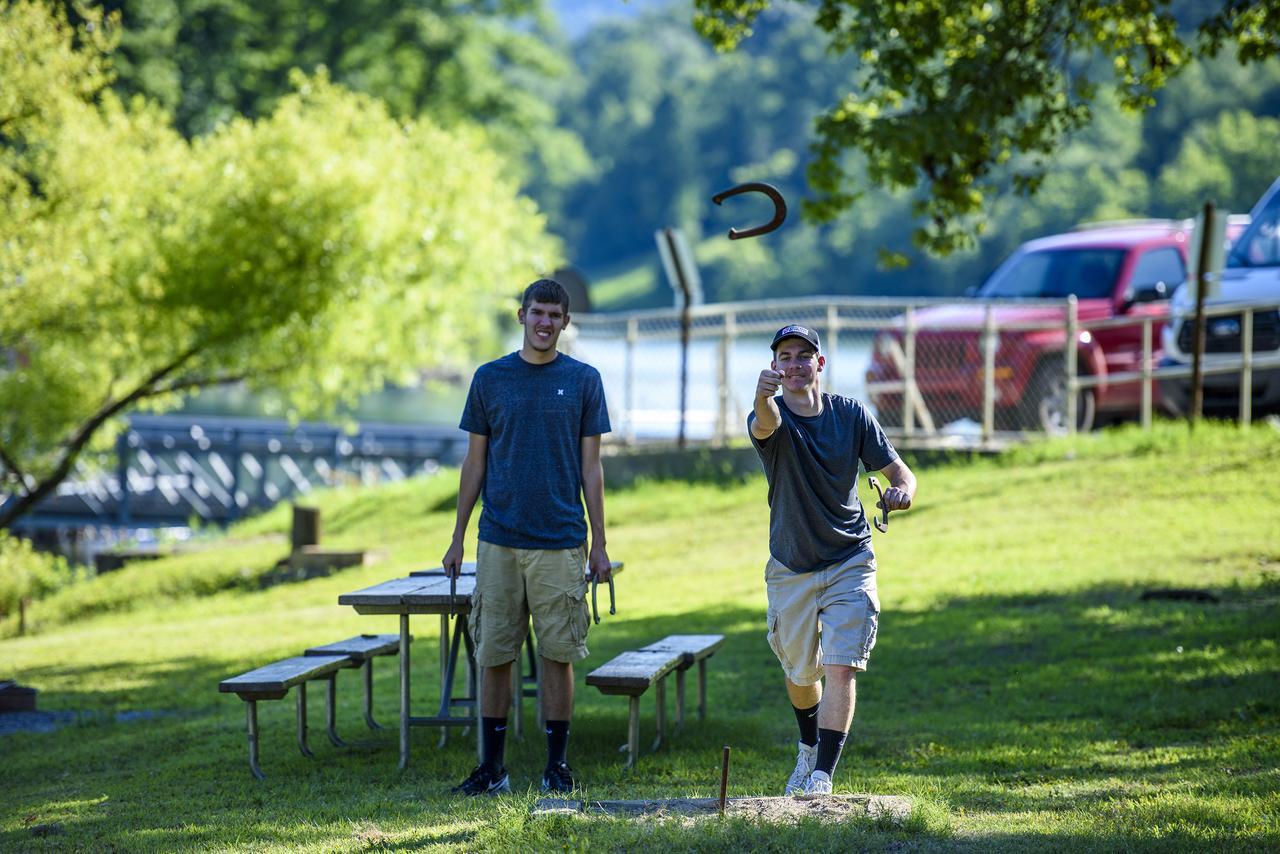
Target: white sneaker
point(819, 784)
point(804, 767)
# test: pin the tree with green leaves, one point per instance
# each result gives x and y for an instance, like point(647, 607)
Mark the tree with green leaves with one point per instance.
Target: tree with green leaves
point(956, 98)
point(319, 252)
point(208, 61)
point(1229, 159)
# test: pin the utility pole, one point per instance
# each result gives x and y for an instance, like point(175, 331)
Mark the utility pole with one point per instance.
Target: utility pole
point(682, 273)
point(1205, 236)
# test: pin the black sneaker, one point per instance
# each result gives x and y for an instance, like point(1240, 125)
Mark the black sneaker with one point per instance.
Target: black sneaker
point(484, 781)
point(558, 778)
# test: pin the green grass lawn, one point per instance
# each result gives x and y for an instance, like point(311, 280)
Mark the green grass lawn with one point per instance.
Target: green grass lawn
point(1021, 690)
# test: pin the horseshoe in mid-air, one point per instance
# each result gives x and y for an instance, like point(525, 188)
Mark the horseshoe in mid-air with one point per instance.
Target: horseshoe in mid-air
point(779, 208)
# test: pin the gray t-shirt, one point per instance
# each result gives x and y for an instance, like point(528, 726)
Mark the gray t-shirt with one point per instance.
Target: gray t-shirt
point(535, 417)
point(811, 462)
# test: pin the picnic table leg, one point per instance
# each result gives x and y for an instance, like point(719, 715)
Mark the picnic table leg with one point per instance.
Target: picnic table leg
point(679, 700)
point(302, 720)
point(404, 691)
point(331, 710)
point(536, 668)
point(445, 682)
point(517, 696)
point(463, 632)
point(471, 658)
point(702, 690)
point(461, 642)
point(251, 719)
point(368, 694)
point(660, 693)
point(633, 732)
point(531, 656)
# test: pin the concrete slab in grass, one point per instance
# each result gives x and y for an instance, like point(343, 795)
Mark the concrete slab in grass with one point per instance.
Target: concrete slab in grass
point(828, 807)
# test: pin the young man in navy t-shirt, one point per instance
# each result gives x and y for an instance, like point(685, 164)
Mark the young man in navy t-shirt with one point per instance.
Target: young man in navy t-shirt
point(535, 418)
point(821, 575)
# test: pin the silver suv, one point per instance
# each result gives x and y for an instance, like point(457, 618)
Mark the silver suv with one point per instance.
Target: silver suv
point(1252, 275)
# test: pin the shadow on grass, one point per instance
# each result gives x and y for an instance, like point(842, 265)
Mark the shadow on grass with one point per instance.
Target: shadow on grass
point(1090, 703)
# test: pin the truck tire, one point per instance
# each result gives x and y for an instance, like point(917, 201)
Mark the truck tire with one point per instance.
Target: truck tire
point(1044, 403)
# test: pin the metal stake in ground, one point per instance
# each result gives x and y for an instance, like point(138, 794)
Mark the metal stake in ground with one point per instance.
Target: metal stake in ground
point(724, 778)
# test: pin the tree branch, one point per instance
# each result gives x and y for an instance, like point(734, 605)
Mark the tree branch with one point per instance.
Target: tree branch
point(12, 470)
point(188, 383)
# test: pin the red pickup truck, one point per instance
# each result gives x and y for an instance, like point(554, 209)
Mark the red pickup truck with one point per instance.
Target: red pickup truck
point(1114, 271)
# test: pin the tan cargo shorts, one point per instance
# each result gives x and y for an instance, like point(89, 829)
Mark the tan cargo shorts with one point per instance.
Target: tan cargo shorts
point(825, 617)
point(513, 584)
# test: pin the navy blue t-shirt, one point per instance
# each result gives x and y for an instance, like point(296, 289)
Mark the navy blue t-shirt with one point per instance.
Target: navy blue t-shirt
point(535, 417)
point(811, 463)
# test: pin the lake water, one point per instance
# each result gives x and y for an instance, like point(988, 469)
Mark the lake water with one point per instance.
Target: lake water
point(655, 398)
point(656, 395)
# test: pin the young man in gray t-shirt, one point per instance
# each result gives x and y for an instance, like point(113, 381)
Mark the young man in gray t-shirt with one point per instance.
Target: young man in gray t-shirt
point(821, 570)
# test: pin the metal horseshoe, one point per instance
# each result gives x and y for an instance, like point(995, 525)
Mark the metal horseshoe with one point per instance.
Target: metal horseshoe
point(882, 527)
point(595, 609)
point(779, 208)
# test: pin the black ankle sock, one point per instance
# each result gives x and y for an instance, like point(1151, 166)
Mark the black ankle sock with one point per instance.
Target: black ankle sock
point(493, 740)
point(830, 743)
point(557, 741)
point(808, 720)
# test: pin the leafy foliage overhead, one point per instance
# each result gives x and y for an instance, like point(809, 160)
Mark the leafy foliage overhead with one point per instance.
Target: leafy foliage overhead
point(667, 123)
point(320, 251)
point(948, 92)
point(208, 61)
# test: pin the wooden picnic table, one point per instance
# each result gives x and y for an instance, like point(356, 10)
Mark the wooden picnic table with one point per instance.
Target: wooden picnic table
point(427, 592)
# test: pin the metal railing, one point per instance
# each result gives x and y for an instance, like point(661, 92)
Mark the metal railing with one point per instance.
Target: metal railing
point(937, 372)
point(1241, 360)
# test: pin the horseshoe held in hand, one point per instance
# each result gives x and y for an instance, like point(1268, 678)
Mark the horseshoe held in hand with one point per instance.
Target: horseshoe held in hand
point(595, 609)
point(881, 526)
point(779, 208)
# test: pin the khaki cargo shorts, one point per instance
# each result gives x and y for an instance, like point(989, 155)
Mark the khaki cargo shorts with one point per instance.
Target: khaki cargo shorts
point(825, 617)
point(512, 585)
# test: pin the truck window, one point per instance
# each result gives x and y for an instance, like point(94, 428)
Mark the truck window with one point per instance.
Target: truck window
point(1159, 265)
point(1259, 246)
point(1056, 273)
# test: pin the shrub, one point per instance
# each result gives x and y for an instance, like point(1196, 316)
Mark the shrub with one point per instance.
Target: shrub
point(27, 574)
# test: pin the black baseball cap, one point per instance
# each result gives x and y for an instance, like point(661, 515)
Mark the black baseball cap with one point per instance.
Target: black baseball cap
point(795, 331)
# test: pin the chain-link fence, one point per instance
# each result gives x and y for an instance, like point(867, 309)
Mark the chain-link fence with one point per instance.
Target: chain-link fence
point(937, 373)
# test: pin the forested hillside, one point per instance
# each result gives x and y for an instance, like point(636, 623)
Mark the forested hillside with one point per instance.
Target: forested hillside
point(666, 122)
point(619, 119)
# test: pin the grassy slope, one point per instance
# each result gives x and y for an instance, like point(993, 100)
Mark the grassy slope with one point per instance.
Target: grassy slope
point(1020, 689)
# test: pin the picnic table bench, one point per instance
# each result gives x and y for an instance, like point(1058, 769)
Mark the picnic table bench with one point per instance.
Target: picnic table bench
point(693, 649)
point(273, 681)
point(362, 650)
point(634, 672)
